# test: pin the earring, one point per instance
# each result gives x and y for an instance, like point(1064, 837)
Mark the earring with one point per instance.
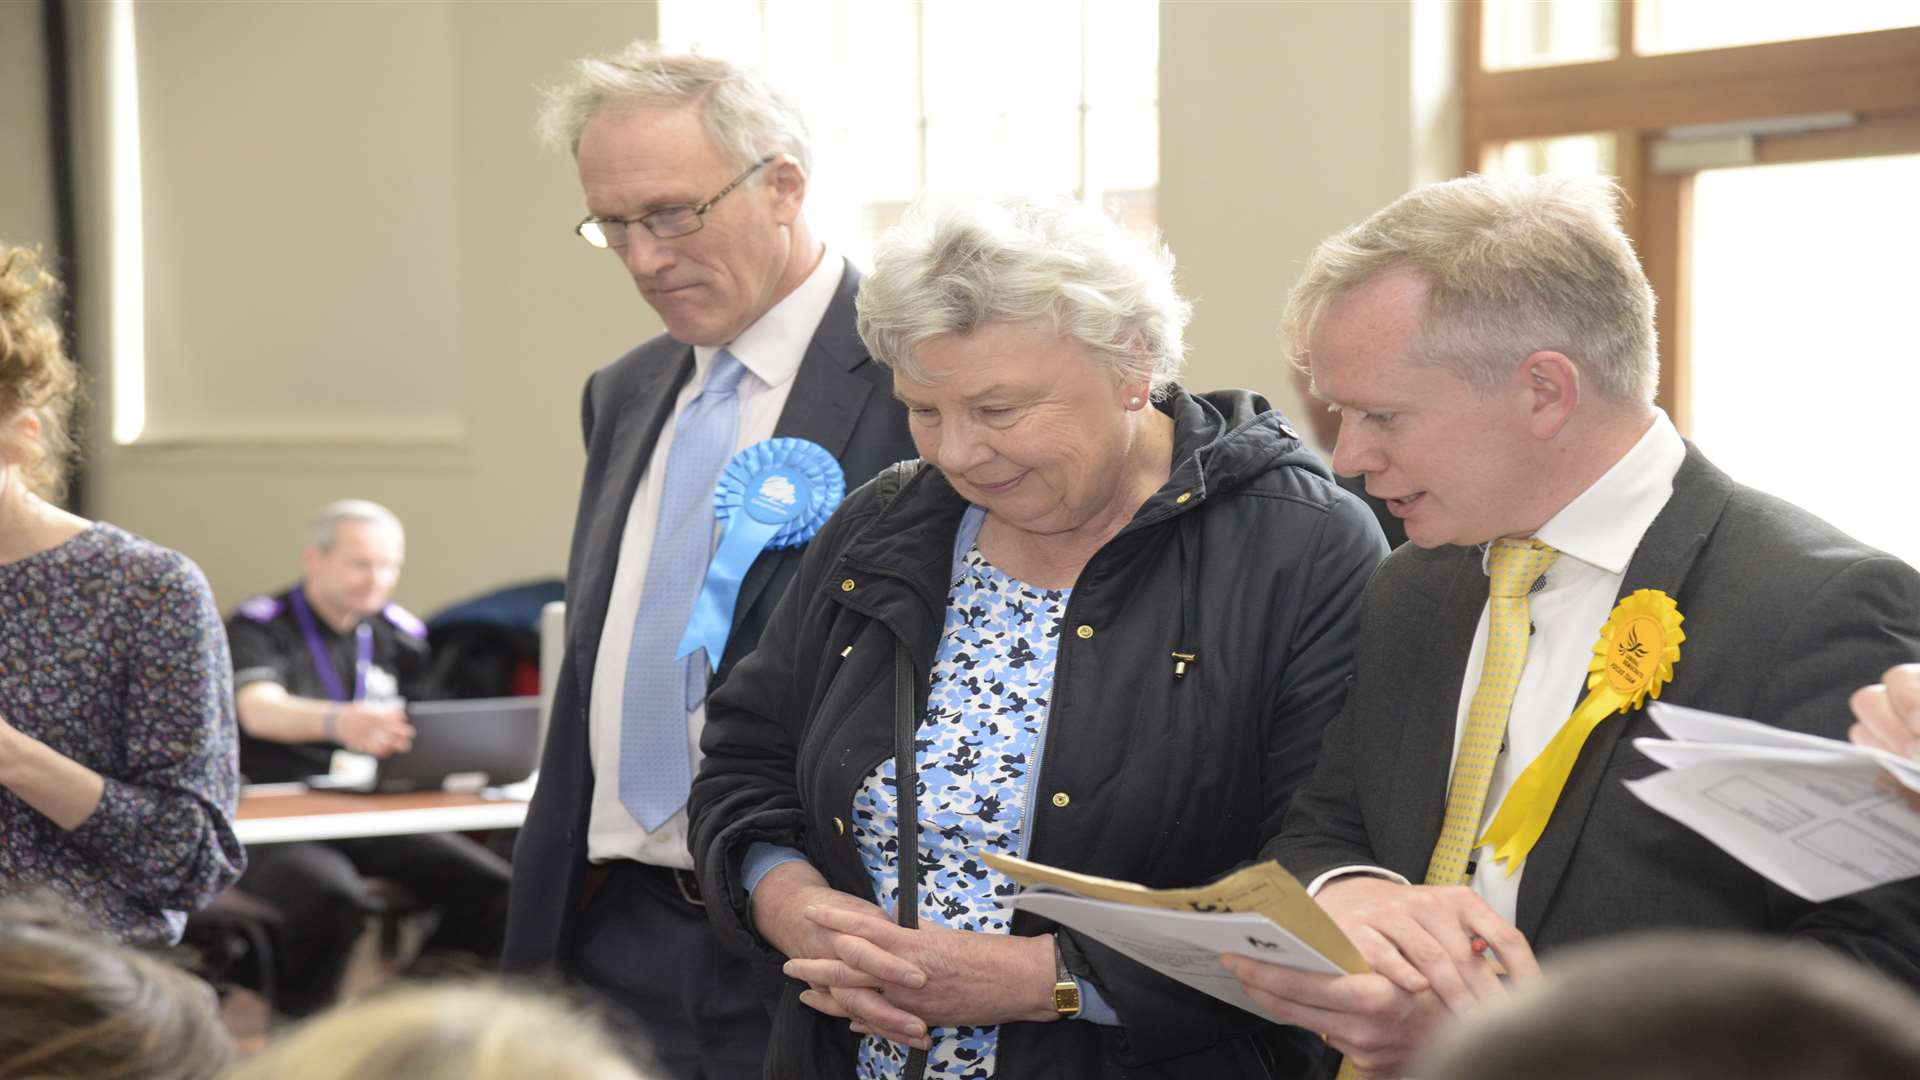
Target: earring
point(1133, 403)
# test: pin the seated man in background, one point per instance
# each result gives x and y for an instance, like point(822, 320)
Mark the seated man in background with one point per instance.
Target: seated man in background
point(324, 666)
point(1489, 344)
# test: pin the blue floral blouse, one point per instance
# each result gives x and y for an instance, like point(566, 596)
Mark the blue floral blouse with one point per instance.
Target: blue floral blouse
point(112, 653)
point(979, 743)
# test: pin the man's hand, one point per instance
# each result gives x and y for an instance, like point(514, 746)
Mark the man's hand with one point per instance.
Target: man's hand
point(1887, 716)
point(1423, 937)
point(1428, 950)
point(1376, 1024)
point(380, 730)
point(893, 982)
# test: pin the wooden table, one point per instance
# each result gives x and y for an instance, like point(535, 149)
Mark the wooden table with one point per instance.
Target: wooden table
point(280, 813)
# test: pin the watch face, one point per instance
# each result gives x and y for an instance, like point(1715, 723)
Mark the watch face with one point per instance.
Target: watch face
point(1066, 998)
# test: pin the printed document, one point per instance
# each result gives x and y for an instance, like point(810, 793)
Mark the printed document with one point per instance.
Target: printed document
point(1260, 911)
point(1808, 813)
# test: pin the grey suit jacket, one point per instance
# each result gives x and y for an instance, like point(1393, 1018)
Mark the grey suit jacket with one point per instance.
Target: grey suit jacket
point(1785, 617)
point(840, 399)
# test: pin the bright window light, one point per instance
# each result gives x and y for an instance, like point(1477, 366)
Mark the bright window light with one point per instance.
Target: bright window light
point(1804, 362)
point(128, 331)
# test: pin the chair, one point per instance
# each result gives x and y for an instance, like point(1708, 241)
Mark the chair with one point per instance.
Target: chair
point(232, 938)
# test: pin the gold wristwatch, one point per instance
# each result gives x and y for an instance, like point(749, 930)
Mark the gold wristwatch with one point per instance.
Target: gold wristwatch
point(1066, 992)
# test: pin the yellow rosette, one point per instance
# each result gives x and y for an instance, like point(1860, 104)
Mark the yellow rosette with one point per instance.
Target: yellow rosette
point(1633, 659)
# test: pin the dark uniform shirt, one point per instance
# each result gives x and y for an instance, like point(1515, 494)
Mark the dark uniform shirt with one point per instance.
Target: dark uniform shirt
point(269, 646)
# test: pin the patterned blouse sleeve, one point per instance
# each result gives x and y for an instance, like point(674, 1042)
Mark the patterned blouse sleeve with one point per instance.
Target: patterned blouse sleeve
point(165, 821)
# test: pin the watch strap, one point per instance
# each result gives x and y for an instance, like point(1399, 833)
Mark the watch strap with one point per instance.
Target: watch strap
point(1066, 991)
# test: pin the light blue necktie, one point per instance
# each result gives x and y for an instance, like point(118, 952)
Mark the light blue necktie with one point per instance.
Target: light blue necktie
point(656, 768)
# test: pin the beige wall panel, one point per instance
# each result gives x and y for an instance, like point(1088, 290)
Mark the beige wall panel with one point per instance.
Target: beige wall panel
point(297, 166)
point(26, 172)
point(528, 312)
point(1281, 123)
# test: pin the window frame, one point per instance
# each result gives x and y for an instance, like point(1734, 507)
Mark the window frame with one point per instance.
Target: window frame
point(1637, 98)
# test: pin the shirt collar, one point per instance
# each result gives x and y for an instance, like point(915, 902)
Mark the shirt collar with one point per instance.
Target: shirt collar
point(772, 347)
point(1603, 524)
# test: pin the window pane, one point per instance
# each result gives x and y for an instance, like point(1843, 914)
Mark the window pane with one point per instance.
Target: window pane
point(949, 102)
point(1000, 155)
point(1681, 25)
point(974, 65)
point(1577, 155)
point(1534, 33)
point(727, 28)
point(1123, 52)
point(1123, 149)
point(1805, 351)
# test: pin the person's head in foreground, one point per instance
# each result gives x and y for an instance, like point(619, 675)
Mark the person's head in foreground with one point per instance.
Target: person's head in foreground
point(1028, 341)
point(1489, 345)
point(471, 1031)
point(1690, 1006)
point(74, 1005)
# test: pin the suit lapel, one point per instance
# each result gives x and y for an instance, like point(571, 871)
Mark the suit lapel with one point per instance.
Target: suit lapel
point(1422, 764)
point(637, 424)
point(1665, 555)
point(827, 397)
point(824, 405)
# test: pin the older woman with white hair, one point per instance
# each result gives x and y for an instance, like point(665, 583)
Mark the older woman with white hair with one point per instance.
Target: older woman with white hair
point(1099, 624)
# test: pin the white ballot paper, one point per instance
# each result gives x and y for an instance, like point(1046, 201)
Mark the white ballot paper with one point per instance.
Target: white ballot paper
point(1260, 911)
point(1182, 945)
point(1805, 812)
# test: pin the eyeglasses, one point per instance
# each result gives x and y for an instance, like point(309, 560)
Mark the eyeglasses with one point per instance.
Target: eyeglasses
point(664, 223)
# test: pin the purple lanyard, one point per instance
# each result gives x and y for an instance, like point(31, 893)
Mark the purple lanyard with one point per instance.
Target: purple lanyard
point(323, 662)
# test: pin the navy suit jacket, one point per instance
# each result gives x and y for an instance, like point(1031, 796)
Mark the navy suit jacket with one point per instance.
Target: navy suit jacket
point(841, 399)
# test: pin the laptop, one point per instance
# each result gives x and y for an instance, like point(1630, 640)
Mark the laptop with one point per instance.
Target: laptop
point(458, 745)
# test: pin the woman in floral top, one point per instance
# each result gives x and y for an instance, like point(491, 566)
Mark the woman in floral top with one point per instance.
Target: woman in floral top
point(118, 772)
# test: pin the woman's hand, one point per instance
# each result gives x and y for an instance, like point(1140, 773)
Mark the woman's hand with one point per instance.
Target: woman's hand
point(894, 982)
point(59, 787)
point(780, 903)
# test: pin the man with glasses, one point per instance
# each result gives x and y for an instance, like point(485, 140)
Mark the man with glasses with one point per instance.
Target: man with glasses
point(695, 174)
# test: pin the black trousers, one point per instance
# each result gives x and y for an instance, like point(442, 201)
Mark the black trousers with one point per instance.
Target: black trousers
point(322, 889)
point(682, 1004)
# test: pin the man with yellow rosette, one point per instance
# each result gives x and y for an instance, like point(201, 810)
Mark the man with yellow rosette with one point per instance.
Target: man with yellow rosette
point(1489, 346)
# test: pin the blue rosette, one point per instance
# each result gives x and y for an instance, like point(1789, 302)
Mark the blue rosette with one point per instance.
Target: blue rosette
point(774, 494)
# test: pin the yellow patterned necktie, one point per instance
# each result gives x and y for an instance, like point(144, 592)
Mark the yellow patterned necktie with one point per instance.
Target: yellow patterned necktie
point(1513, 566)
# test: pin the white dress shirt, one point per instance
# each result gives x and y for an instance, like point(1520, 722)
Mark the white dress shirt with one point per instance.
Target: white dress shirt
point(770, 350)
point(1596, 535)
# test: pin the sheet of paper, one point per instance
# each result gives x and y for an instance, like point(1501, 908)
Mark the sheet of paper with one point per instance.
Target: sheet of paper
point(1182, 945)
point(1814, 821)
point(1263, 889)
point(1699, 727)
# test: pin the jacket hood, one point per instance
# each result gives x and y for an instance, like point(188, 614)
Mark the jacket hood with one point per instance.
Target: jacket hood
point(1224, 440)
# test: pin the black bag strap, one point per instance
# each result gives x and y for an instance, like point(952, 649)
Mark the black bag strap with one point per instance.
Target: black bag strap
point(906, 796)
